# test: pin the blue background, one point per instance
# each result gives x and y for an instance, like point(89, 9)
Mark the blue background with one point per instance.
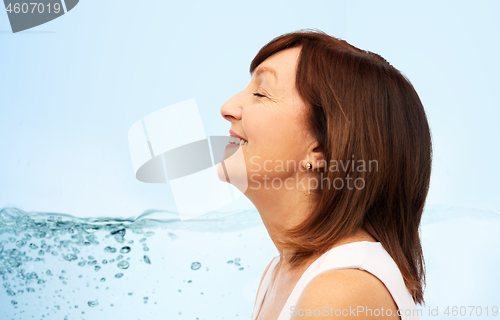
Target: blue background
point(70, 90)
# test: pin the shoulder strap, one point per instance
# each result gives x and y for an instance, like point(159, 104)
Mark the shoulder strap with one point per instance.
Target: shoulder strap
point(363, 255)
point(264, 286)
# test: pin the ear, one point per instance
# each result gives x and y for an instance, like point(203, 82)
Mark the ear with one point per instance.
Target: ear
point(315, 155)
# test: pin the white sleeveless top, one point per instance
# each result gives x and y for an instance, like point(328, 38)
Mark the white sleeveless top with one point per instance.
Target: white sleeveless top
point(363, 255)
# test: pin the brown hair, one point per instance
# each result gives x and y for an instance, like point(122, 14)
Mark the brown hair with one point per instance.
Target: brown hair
point(361, 109)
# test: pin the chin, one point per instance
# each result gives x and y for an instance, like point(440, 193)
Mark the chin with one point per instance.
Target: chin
point(220, 173)
point(233, 170)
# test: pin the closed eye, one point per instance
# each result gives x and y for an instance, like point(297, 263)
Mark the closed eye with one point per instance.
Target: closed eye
point(259, 95)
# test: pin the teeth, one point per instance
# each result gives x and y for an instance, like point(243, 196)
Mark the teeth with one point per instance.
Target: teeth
point(238, 141)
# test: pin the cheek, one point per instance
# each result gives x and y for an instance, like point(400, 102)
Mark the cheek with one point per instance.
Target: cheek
point(259, 126)
point(265, 128)
point(273, 134)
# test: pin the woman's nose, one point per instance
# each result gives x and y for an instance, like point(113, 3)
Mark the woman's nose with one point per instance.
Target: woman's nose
point(232, 109)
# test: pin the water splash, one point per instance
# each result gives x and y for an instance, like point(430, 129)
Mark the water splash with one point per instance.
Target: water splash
point(28, 240)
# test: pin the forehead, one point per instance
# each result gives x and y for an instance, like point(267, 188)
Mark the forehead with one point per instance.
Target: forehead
point(280, 67)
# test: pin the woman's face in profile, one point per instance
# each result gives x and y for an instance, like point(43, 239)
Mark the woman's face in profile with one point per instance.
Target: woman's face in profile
point(271, 117)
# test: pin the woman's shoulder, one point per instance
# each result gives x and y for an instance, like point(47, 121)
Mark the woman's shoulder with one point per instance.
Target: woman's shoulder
point(357, 277)
point(351, 291)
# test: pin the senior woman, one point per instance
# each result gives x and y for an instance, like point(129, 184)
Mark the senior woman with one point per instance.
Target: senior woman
point(337, 153)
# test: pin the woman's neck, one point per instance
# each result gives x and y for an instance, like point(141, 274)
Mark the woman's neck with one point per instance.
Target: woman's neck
point(281, 209)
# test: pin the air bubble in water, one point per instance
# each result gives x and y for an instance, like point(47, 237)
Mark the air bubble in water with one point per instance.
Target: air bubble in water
point(118, 275)
point(123, 264)
point(146, 259)
point(110, 249)
point(120, 232)
point(125, 249)
point(93, 304)
point(21, 243)
point(195, 265)
point(69, 257)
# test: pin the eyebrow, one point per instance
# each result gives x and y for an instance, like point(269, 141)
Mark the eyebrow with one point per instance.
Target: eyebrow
point(260, 70)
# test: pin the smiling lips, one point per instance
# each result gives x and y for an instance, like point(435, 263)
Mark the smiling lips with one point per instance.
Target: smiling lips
point(237, 141)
